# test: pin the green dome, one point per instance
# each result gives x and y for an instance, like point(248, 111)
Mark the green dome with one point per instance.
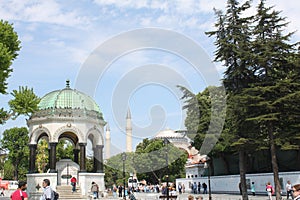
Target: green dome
point(68, 98)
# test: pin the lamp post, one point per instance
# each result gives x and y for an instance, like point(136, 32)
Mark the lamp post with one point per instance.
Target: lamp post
point(124, 159)
point(67, 174)
point(207, 165)
point(166, 142)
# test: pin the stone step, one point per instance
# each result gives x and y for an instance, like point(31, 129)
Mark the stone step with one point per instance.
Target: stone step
point(65, 192)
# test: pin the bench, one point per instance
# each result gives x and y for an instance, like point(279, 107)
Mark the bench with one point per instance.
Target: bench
point(165, 197)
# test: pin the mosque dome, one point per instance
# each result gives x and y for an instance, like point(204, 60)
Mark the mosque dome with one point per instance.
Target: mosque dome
point(68, 99)
point(169, 133)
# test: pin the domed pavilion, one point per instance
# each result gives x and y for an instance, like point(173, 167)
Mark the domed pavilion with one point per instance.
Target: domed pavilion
point(71, 115)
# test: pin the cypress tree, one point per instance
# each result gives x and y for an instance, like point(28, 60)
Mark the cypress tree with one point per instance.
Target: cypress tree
point(233, 39)
point(272, 66)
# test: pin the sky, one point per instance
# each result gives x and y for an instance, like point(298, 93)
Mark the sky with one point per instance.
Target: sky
point(124, 54)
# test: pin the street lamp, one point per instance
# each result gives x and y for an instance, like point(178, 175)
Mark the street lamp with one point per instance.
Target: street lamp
point(207, 165)
point(124, 159)
point(166, 142)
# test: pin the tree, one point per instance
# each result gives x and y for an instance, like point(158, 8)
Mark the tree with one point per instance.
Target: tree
point(15, 141)
point(274, 68)
point(111, 176)
point(64, 149)
point(42, 156)
point(199, 118)
point(154, 152)
point(233, 42)
point(25, 102)
point(114, 169)
point(9, 47)
point(260, 79)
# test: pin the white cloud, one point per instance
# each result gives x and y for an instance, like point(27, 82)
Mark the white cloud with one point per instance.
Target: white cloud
point(72, 53)
point(123, 4)
point(26, 38)
point(40, 11)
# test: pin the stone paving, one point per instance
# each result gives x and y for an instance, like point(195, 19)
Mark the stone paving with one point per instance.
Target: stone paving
point(154, 196)
point(144, 196)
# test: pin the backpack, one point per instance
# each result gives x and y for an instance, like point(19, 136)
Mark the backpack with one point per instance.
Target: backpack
point(56, 195)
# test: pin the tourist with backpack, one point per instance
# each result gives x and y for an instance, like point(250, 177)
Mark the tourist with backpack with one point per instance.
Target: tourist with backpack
point(48, 193)
point(95, 190)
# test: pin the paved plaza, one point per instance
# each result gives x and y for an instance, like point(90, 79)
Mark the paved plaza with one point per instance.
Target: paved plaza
point(143, 196)
point(154, 196)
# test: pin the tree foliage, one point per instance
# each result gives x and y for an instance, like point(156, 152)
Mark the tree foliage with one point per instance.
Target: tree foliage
point(15, 141)
point(9, 47)
point(42, 156)
point(160, 158)
point(25, 102)
point(149, 162)
point(262, 83)
point(64, 149)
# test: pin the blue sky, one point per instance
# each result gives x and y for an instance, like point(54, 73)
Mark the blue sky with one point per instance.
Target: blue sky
point(59, 37)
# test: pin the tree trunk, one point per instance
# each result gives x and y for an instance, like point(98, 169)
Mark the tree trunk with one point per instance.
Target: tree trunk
point(16, 171)
point(242, 184)
point(274, 161)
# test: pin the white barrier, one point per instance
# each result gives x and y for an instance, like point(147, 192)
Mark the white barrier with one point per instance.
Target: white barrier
point(230, 183)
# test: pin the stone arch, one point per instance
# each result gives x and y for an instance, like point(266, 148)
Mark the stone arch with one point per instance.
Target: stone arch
point(97, 136)
point(67, 128)
point(36, 133)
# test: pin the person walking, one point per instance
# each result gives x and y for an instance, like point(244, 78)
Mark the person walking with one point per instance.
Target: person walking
point(131, 196)
point(270, 190)
point(296, 192)
point(114, 191)
point(47, 193)
point(73, 183)
point(95, 190)
point(204, 186)
point(120, 189)
point(199, 188)
point(289, 190)
point(2, 192)
point(195, 188)
point(20, 193)
point(180, 188)
point(253, 189)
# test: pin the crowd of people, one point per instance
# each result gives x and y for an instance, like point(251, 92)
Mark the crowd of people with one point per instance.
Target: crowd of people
point(48, 193)
point(292, 191)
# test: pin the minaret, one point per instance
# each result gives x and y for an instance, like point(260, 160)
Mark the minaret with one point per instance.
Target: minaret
point(128, 132)
point(107, 142)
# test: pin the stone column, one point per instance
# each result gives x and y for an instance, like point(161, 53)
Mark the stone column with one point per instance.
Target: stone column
point(128, 132)
point(98, 159)
point(82, 157)
point(76, 155)
point(32, 158)
point(52, 156)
